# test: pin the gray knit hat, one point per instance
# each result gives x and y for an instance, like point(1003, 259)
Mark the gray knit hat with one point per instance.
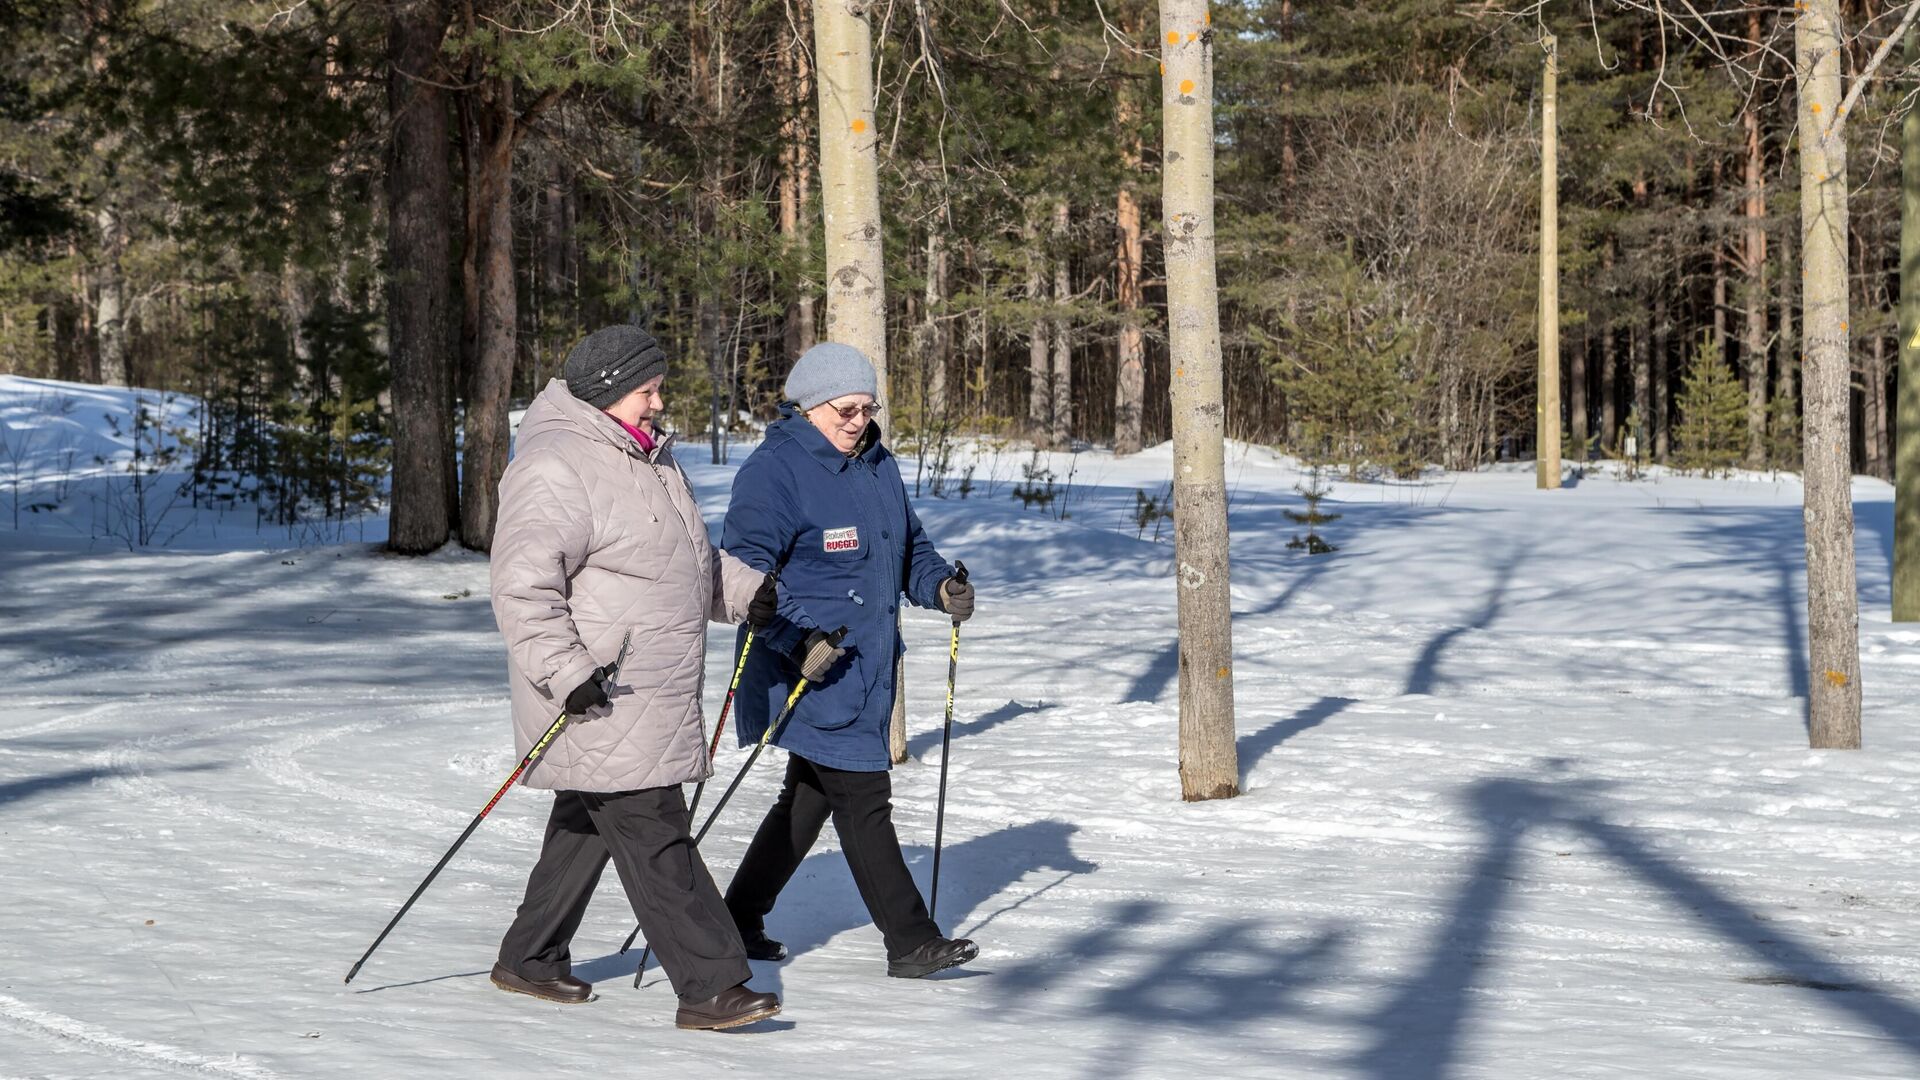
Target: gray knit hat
point(610, 363)
point(830, 370)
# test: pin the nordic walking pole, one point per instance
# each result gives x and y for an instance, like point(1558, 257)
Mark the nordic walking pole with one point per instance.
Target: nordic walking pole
point(834, 639)
point(540, 745)
point(946, 745)
point(713, 747)
point(719, 726)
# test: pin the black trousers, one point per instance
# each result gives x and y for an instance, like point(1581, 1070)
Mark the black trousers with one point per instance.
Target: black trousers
point(861, 805)
point(678, 905)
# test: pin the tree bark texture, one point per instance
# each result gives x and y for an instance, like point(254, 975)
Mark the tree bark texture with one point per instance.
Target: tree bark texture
point(1754, 299)
point(492, 293)
point(1906, 446)
point(1833, 720)
point(1209, 759)
point(419, 184)
point(1547, 409)
point(1129, 392)
point(1062, 430)
point(849, 181)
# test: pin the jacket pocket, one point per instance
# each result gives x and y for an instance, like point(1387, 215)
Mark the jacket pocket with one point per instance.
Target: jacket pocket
point(843, 696)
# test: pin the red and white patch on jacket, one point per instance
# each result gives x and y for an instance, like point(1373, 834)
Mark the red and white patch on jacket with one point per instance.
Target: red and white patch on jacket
point(847, 539)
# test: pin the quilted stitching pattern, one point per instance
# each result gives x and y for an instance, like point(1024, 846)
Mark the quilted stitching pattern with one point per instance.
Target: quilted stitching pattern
point(595, 539)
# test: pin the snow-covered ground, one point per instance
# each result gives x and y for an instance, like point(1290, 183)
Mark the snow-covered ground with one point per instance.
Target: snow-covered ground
point(1527, 795)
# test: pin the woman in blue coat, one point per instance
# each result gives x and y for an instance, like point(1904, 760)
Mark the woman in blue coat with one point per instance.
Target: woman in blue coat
point(822, 500)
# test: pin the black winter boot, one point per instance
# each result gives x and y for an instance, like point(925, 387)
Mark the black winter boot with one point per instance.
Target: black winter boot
point(761, 947)
point(938, 954)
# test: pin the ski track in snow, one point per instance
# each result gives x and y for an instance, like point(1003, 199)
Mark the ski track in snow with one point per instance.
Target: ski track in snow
point(66, 1033)
point(142, 788)
point(1526, 794)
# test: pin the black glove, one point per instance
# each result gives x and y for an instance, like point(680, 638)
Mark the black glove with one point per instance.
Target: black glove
point(589, 695)
point(818, 654)
point(956, 597)
point(765, 605)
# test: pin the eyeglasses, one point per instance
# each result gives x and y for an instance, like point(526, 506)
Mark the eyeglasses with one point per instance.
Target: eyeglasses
point(848, 412)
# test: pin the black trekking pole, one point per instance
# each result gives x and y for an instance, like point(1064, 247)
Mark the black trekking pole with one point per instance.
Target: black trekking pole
point(719, 726)
point(609, 672)
point(834, 639)
point(946, 744)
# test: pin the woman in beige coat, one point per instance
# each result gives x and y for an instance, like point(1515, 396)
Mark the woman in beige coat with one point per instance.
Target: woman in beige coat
point(599, 535)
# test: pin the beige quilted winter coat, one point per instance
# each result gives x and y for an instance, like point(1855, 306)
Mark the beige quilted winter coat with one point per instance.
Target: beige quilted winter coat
point(596, 537)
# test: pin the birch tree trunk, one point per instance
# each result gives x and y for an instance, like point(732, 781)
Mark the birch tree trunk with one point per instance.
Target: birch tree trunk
point(1906, 446)
point(1209, 759)
point(1547, 410)
point(1833, 719)
point(933, 334)
point(849, 181)
point(419, 185)
point(850, 206)
point(1039, 389)
point(110, 304)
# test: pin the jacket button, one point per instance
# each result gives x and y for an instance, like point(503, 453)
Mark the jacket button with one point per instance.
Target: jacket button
point(889, 609)
point(885, 535)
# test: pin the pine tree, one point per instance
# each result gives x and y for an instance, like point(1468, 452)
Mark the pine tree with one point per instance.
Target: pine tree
point(1711, 434)
point(1342, 364)
point(1312, 490)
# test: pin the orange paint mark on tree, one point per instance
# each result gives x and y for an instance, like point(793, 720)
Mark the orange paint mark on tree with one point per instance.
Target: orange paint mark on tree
point(1837, 678)
point(1173, 37)
point(1186, 86)
point(1815, 106)
point(1223, 673)
point(859, 126)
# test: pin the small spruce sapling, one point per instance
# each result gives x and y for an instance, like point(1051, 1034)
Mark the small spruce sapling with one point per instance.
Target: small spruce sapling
point(1312, 490)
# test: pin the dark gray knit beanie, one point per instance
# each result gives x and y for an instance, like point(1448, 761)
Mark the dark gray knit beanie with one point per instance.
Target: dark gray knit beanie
point(610, 363)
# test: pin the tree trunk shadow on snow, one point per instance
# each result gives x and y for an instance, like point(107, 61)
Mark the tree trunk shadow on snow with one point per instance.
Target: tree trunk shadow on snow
point(1419, 1031)
point(1229, 974)
point(13, 793)
point(1152, 683)
point(1876, 518)
point(1771, 543)
point(1259, 744)
point(1424, 677)
point(1235, 976)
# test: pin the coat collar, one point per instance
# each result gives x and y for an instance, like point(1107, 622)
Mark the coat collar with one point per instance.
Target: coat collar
point(801, 430)
point(596, 424)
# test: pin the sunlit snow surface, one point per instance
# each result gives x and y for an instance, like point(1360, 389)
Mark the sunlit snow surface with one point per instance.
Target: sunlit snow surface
point(1526, 795)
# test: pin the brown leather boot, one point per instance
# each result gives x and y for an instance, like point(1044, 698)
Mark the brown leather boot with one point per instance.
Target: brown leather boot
point(565, 990)
point(729, 1008)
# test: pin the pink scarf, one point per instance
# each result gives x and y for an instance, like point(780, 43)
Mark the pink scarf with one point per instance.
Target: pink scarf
point(645, 440)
